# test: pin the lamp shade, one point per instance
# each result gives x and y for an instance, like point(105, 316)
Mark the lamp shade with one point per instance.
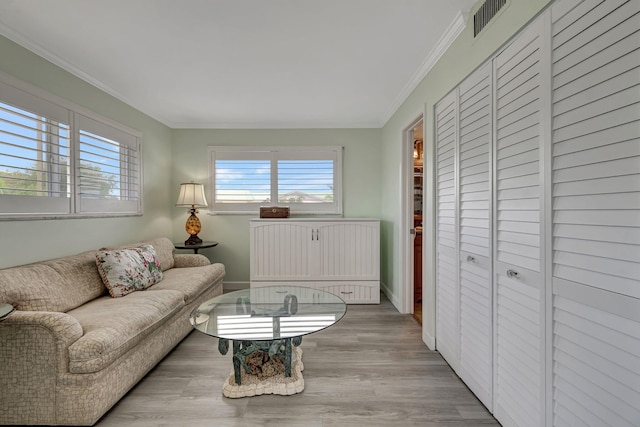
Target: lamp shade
point(191, 194)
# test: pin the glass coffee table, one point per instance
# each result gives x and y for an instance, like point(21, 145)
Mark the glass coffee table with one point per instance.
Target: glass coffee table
point(265, 324)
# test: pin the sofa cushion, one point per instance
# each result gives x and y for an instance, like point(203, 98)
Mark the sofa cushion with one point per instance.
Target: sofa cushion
point(56, 285)
point(190, 281)
point(164, 250)
point(128, 270)
point(112, 326)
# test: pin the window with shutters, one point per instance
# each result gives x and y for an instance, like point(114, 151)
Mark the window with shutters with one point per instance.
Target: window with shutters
point(57, 162)
point(307, 179)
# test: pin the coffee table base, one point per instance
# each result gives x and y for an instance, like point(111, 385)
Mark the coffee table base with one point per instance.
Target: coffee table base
point(277, 384)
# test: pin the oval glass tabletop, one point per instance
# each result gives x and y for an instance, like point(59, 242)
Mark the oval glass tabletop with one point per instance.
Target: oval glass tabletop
point(268, 313)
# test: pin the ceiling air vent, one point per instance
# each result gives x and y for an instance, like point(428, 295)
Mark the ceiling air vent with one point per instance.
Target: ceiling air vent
point(487, 11)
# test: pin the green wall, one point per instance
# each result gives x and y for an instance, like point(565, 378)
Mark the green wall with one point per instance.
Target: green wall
point(361, 164)
point(171, 157)
point(462, 57)
point(372, 163)
point(28, 241)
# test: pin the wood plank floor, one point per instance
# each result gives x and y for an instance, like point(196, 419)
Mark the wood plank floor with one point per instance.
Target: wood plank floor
point(371, 369)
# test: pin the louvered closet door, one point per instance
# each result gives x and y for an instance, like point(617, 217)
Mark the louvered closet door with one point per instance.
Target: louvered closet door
point(476, 313)
point(518, 385)
point(447, 293)
point(596, 211)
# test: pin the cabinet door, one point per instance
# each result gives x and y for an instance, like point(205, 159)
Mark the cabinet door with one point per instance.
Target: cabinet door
point(476, 291)
point(348, 250)
point(519, 279)
point(447, 302)
point(283, 251)
point(596, 211)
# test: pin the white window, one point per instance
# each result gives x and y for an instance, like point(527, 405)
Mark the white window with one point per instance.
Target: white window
point(307, 179)
point(57, 160)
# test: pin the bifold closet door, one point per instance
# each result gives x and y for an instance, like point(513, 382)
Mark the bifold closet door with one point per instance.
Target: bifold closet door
point(518, 268)
point(596, 212)
point(474, 164)
point(447, 292)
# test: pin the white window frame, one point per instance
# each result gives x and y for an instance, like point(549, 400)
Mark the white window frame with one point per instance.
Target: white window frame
point(37, 101)
point(273, 154)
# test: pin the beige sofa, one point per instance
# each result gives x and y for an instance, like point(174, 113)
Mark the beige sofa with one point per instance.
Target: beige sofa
point(70, 351)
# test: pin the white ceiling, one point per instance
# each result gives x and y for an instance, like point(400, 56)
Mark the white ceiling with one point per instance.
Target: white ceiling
point(244, 63)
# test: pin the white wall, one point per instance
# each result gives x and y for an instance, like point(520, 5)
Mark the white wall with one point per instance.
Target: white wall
point(29, 241)
point(171, 157)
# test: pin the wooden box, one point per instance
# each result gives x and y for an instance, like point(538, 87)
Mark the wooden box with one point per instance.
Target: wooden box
point(274, 212)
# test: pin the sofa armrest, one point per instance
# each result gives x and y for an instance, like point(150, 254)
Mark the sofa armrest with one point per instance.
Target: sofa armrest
point(38, 334)
point(190, 260)
point(33, 351)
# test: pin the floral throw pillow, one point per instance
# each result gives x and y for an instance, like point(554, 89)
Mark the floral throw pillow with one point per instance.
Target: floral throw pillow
point(128, 270)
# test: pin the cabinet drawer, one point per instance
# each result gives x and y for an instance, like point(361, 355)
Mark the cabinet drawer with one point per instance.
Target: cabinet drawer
point(305, 294)
point(353, 292)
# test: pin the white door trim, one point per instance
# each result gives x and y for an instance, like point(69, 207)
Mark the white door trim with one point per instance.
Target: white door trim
point(406, 221)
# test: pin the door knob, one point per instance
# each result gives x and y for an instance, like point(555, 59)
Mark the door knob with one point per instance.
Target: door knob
point(513, 274)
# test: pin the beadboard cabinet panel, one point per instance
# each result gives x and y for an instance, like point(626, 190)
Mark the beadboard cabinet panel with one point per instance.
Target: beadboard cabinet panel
point(281, 250)
point(356, 292)
point(342, 254)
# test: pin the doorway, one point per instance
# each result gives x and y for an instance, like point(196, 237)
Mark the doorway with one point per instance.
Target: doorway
point(416, 190)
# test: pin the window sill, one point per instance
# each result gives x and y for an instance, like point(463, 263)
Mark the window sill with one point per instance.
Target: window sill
point(41, 217)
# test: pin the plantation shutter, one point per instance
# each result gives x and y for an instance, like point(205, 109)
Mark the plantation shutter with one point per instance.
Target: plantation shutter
point(519, 279)
point(34, 154)
point(447, 304)
point(108, 168)
point(596, 210)
point(476, 313)
point(306, 179)
point(240, 177)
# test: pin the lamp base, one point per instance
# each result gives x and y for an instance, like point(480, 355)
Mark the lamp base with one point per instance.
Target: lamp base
point(193, 240)
point(193, 227)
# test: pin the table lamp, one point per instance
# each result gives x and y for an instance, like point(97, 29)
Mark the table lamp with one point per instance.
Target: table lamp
point(192, 196)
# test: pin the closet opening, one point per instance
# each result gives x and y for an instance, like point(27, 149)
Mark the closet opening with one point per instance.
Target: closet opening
point(416, 211)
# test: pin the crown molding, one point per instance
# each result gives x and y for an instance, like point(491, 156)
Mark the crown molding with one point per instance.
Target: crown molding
point(72, 69)
point(453, 31)
point(67, 66)
point(276, 125)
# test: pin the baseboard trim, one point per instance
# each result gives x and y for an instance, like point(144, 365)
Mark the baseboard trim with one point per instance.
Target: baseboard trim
point(235, 286)
point(390, 296)
point(428, 339)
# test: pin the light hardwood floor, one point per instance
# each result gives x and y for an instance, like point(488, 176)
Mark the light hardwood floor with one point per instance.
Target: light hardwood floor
point(371, 369)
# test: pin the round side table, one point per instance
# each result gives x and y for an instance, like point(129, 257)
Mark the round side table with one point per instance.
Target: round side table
point(195, 247)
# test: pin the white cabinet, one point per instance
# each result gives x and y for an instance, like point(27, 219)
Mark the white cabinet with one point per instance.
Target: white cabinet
point(339, 256)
